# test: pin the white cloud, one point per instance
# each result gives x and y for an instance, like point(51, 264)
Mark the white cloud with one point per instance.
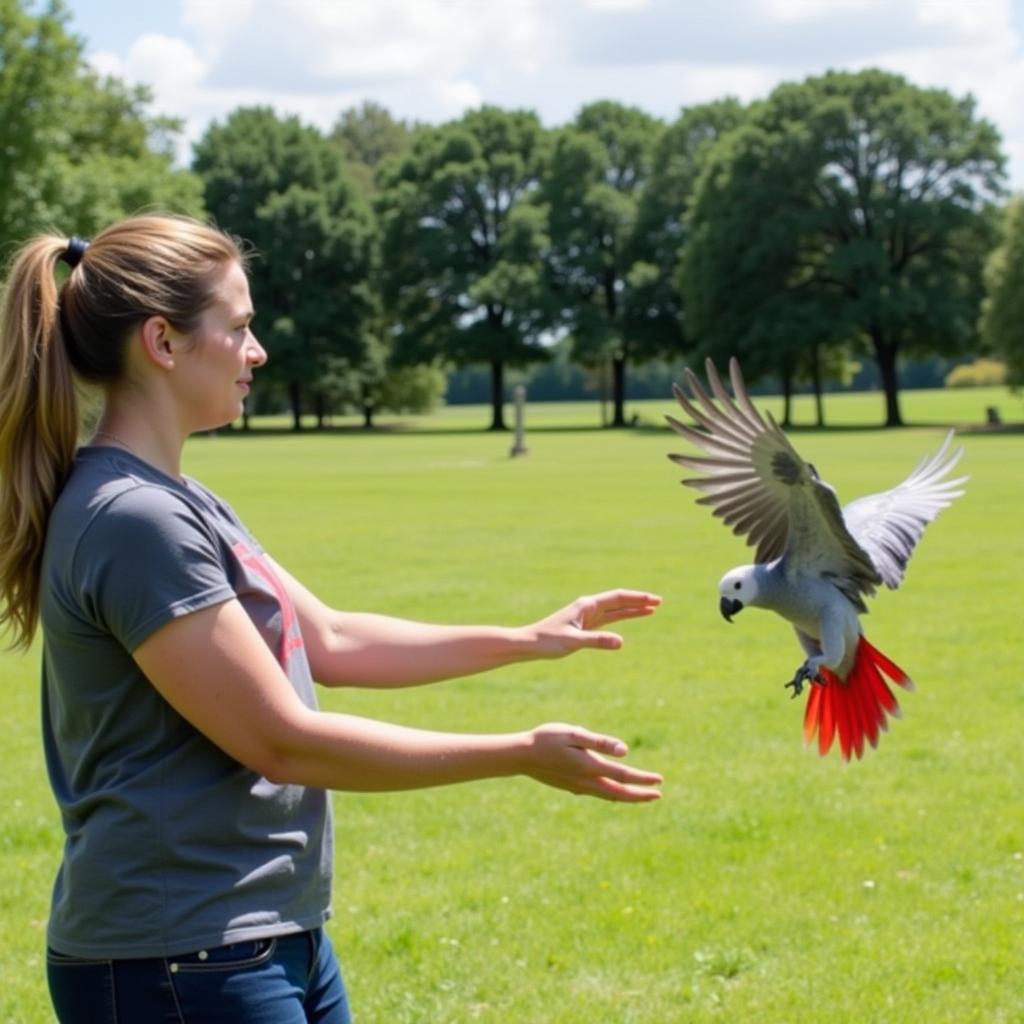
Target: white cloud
point(971, 19)
point(168, 64)
point(803, 10)
point(431, 59)
point(458, 96)
point(214, 23)
point(617, 5)
point(360, 40)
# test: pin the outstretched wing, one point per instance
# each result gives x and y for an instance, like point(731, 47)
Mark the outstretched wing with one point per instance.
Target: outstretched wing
point(889, 525)
point(756, 482)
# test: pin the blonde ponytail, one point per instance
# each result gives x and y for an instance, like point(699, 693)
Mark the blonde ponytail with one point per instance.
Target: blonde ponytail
point(38, 428)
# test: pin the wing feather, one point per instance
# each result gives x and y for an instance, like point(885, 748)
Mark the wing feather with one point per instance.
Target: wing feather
point(752, 478)
point(727, 445)
point(721, 481)
point(889, 525)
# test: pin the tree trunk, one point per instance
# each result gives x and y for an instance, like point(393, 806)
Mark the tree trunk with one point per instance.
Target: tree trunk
point(619, 391)
point(368, 405)
point(295, 396)
point(819, 404)
point(320, 415)
point(885, 355)
point(787, 397)
point(497, 395)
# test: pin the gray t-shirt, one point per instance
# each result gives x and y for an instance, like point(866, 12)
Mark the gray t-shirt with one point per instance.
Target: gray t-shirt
point(171, 845)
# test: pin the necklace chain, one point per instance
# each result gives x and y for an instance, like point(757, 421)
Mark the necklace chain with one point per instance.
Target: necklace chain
point(114, 437)
point(124, 444)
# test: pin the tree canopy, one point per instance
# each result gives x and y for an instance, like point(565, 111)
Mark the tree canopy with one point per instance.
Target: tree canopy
point(368, 136)
point(1002, 313)
point(591, 190)
point(850, 208)
point(657, 317)
point(80, 150)
point(283, 188)
point(461, 244)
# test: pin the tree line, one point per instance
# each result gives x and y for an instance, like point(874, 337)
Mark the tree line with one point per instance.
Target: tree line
point(849, 215)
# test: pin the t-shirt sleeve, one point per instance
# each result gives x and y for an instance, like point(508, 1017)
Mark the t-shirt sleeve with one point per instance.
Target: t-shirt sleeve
point(146, 559)
point(227, 511)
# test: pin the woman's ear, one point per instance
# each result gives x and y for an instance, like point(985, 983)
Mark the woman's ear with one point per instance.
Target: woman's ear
point(158, 342)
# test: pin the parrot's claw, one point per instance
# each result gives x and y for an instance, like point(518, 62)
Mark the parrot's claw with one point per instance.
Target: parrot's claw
point(804, 673)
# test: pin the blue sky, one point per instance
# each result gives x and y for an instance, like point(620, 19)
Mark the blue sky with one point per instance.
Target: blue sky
point(431, 59)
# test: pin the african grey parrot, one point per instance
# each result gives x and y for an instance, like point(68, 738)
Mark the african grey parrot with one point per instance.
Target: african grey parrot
point(815, 562)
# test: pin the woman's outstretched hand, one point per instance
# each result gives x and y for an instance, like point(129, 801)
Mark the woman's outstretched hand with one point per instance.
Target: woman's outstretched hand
point(580, 761)
point(582, 623)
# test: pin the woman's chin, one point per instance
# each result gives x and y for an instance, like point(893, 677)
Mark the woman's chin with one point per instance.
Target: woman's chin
point(220, 423)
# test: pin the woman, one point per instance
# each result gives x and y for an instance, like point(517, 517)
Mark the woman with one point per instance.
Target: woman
point(181, 731)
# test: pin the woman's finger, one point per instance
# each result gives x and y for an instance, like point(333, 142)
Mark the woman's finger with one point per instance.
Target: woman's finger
point(613, 606)
point(619, 772)
point(611, 789)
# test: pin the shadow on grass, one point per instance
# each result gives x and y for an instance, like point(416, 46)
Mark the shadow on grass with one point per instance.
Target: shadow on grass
point(405, 430)
point(640, 428)
point(973, 429)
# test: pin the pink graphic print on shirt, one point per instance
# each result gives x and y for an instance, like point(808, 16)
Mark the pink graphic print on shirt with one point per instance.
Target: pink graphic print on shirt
point(291, 636)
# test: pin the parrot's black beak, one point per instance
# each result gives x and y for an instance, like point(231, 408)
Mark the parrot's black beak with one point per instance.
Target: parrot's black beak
point(729, 607)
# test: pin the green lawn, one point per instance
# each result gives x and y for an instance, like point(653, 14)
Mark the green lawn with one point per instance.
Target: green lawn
point(768, 885)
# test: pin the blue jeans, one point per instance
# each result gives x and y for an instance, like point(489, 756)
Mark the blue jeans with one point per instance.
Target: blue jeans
point(292, 979)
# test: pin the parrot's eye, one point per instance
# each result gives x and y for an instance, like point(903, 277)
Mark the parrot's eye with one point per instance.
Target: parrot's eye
point(737, 585)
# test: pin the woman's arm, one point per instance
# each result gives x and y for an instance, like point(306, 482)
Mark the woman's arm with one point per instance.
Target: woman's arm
point(363, 649)
point(213, 667)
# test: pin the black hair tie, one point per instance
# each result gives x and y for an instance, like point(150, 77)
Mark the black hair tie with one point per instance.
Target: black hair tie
point(73, 254)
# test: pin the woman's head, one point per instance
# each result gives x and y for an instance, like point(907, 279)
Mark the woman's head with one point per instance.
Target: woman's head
point(141, 268)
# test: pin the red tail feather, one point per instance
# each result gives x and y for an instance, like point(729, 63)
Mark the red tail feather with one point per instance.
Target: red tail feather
point(856, 708)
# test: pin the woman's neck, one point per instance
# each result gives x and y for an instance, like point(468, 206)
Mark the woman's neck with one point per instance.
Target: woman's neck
point(140, 434)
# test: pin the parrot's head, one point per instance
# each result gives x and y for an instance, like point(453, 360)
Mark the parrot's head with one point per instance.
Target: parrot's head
point(737, 590)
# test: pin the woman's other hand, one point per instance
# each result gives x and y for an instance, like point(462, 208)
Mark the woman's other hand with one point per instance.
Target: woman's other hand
point(582, 623)
point(575, 759)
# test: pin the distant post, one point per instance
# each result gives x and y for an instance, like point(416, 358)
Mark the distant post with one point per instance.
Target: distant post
point(519, 394)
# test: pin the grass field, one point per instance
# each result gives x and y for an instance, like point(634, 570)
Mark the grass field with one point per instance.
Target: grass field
point(768, 885)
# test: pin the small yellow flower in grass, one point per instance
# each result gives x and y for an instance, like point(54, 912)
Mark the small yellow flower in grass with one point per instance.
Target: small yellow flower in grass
point(869, 884)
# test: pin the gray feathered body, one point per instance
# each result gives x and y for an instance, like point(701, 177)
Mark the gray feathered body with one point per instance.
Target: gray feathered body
point(816, 562)
point(825, 619)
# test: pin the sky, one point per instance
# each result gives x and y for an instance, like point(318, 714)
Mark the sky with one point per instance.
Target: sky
point(429, 60)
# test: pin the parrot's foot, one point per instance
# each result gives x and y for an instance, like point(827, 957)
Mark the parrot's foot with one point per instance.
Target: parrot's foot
point(806, 672)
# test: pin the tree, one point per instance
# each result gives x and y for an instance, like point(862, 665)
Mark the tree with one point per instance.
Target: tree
point(741, 293)
point(1002, 311)
point(80, 150)
point(116, 160)
point(461, 245)
point(282, 187)
point(374, 386)
point(852, 208)
point(599, 167)
point(662, 218)
point(367, 136)
point(38, 60)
